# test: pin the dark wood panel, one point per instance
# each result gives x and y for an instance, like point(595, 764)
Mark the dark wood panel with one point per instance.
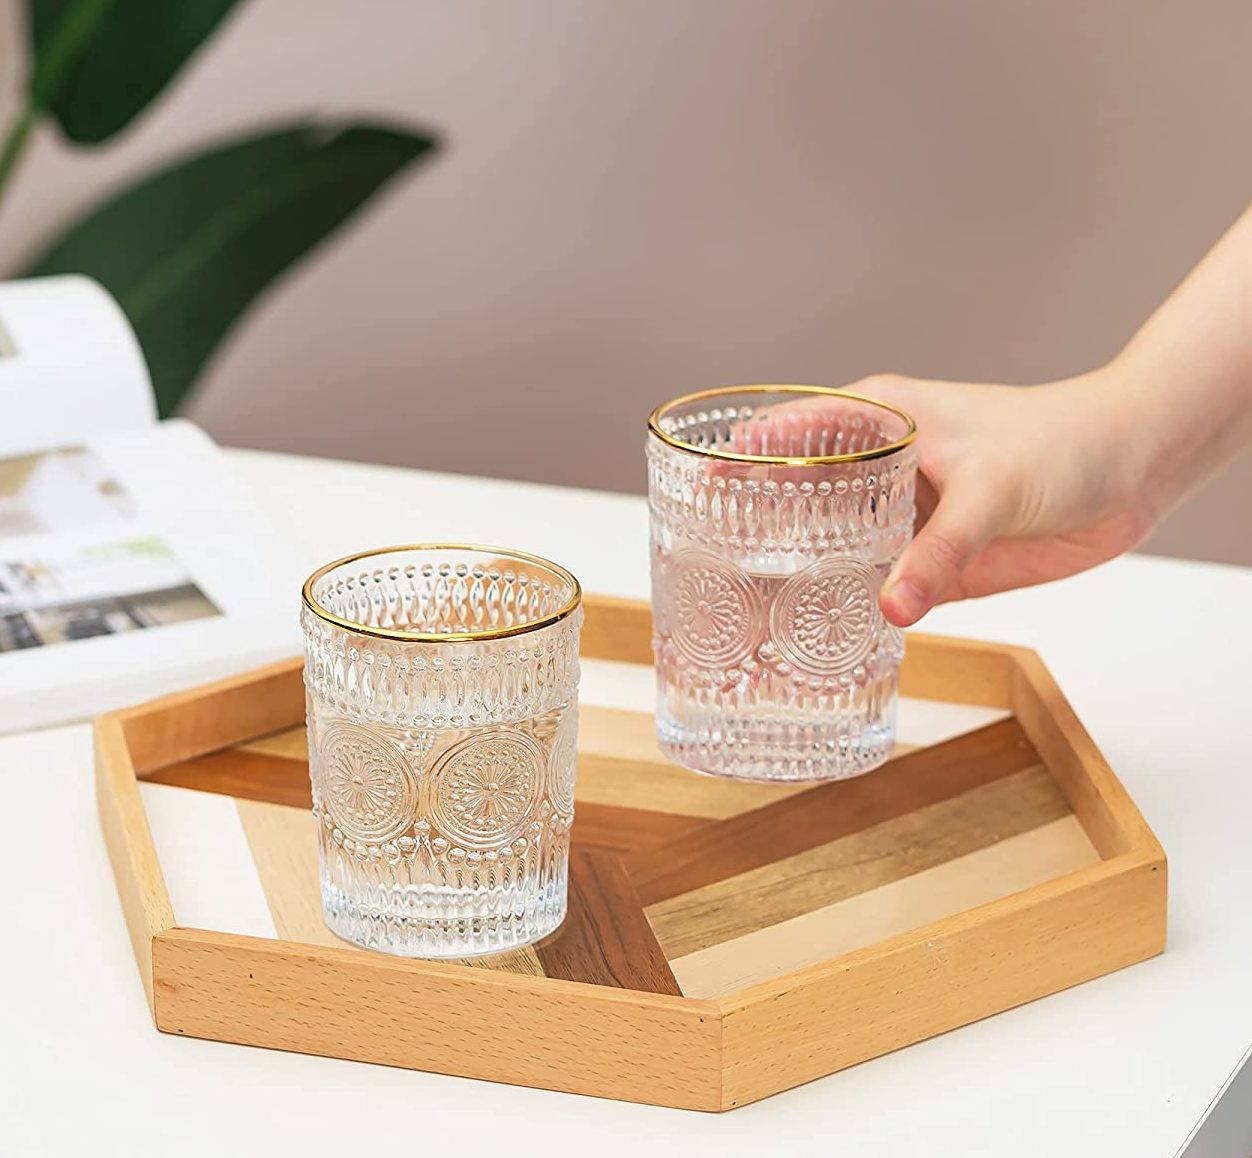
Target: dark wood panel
point(626, 830)
point(245, 775)
point(606, 938)
point(799, 823)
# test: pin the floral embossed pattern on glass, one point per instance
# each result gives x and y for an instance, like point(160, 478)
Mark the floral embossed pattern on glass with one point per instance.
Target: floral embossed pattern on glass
point(777, 512)
point(442, 687)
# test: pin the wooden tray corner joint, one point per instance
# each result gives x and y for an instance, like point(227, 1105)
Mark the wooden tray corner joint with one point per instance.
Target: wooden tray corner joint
point(724, 941)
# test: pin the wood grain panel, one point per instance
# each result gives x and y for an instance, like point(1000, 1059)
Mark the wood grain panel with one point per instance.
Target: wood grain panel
point(243, 774)
point(619, 765)
point(635, 784)
point(1096, 795)
point(261, 769)
point(253, 773)
point(628, 736)
point(136, 869)
point(616, 628)
point(606, 939)
point(290, 743)
point(283, 841)
point(187, 724)
point(935, 667)
point(959, 671)
point(532, 1031)
point(950, 887)
point(857, 863)
point(797, 824)
point(626, 830)
point(523, 961)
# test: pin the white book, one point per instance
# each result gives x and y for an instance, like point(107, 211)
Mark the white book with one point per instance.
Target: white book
point(131, 561)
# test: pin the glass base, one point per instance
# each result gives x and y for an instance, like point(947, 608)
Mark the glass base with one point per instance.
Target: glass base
point(763, 750)
point(441, 923)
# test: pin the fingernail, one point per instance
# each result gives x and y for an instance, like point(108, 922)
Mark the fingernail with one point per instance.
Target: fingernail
point(902, 601)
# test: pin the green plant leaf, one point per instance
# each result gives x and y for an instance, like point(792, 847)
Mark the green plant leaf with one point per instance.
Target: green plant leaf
point(187, 249)
point(98, 63)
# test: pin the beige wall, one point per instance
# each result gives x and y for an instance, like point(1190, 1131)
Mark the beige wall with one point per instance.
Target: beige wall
point(643, 197)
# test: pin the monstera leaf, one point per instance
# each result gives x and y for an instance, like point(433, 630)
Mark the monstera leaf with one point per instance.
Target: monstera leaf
point(98, 63)
point(188, 248)
point(94, 64)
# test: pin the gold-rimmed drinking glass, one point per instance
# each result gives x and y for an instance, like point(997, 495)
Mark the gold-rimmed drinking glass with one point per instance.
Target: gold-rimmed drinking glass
point(776, 514)
point(442, 685)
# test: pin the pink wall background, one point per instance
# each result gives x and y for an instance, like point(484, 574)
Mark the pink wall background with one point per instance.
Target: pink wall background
point(645, 198)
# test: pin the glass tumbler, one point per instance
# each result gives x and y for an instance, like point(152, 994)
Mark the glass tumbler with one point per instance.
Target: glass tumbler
point(776, 514)
point(441, 687)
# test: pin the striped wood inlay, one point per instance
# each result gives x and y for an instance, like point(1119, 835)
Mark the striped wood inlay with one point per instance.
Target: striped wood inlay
point(739, 878)
point(1030, 858)
point(248, 773)
point(863, 860)
point(825, 813)
point(619, 766)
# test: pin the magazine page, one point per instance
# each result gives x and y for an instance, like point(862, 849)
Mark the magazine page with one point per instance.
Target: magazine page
point(70, 366)
point(131, 564)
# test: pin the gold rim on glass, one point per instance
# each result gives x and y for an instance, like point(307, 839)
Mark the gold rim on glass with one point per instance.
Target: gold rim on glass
point(654, 425)
point(566, 609)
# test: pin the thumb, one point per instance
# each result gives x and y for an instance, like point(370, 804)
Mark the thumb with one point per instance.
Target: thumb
point(967, 518)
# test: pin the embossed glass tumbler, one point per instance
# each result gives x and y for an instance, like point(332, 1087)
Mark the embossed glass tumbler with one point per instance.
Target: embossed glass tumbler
point(441, 684)
point(777, 512)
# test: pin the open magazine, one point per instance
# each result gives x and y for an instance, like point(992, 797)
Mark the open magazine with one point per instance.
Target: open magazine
point(131, 563)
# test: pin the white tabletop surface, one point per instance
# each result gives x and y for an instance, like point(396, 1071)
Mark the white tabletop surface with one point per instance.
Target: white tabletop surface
point(1154, 655)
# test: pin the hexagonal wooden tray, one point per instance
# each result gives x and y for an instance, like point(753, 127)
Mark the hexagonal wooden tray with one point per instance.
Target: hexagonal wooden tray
point(725, 941)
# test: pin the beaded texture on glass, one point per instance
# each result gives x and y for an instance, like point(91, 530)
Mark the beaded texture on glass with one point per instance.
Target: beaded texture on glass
point(773, 660)
point(442, 773)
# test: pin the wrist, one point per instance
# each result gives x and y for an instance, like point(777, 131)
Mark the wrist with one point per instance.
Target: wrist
point(1122, 433)
point(1167, 439)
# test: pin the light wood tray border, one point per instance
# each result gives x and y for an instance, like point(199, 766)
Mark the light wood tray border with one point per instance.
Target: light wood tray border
point(672, 1051)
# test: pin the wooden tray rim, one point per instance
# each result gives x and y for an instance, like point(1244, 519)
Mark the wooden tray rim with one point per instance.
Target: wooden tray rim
point(186, 724)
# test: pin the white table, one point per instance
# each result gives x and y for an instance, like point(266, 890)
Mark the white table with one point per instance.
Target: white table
point(1153, 654)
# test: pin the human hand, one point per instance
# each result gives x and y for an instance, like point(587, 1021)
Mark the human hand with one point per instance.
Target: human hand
point(1017, 485)
point(1023, 485)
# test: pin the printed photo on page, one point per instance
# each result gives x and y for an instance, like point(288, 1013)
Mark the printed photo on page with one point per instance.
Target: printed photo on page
point(76, 562)
point(132, 562)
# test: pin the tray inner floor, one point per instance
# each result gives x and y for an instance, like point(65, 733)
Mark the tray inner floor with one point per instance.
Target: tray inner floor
point(679, 883)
